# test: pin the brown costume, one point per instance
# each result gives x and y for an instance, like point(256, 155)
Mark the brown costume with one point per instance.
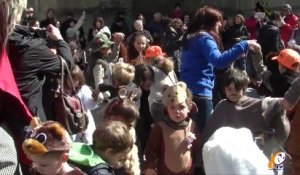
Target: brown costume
point(167, 149)
point(171, 145)
point(47, 137)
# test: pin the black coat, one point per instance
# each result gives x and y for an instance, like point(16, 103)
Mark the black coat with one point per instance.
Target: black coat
point(32, 61)
point(269, 39)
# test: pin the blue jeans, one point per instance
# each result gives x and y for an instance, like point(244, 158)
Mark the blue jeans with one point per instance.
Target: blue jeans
point(205, 107)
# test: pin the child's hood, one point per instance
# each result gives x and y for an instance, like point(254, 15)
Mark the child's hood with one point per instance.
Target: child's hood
point(83, 154)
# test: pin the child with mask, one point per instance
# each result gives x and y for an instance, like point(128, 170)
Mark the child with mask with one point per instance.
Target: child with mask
point(172, 143)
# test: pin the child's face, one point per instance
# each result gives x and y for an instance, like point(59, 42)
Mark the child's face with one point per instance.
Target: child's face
point(147, 83)
point(117, 160)
point(179, 112)
point(138, 26)
point(47, 165)
point(105, 51)
point(238, 20)
point(140, 43)
point(232, 94)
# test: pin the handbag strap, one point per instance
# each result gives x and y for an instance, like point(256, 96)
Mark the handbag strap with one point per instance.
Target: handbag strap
point(65, 65)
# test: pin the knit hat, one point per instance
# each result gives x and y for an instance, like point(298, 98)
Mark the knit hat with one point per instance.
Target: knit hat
point(154, 51)
point(174, 95)
point(46, 137)
point(100, 41)
point(233, 151)
point(289, 58)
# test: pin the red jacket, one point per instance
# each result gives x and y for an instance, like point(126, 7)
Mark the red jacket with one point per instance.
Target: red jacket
point(20, 115)
point(252, 25)
point(286, 31)
point(291, 20)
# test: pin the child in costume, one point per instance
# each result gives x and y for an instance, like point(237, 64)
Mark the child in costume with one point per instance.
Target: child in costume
point(172, 143)
point(111, 144)
point(265, 118)
point(121, 78)
point(48, 145)
point(124, 110)
point(164, 74)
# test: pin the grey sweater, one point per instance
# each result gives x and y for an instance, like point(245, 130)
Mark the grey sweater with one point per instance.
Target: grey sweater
point(255, 114)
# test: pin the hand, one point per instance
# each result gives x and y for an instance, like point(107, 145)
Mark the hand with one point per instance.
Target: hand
point(83, 16)
point(53, 33)
point(95, 93)
point(150, 171)
point(183, 28)
point(254, 46)
point(118, 37)
point(255, 82)
point(286, 105)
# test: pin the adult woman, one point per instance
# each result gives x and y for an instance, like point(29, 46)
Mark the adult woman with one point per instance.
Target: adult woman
point(98, 24)
point(201, 53)
point(173, 41)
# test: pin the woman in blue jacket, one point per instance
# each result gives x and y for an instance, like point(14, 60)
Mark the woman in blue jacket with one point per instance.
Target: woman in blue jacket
point(202, 52)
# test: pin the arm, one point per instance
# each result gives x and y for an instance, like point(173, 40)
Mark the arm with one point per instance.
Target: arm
point(114, 56)
point(149, 36)
point(293, 94)
point(245, 33)
point(88, 102)
point(99, 74)
point(49, 62)
point(222, 60)
point(71, 31)
point(261, 69)
point(152, 150)
point(275, 118)
point(118, 38)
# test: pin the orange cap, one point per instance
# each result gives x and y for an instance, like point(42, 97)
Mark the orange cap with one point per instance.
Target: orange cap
point(153, 51)
point(288, 58)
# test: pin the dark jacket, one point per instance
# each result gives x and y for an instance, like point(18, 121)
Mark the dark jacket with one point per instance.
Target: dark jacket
point(31, 61)
point(234, 34)
point(269, 39)
point(173, 40)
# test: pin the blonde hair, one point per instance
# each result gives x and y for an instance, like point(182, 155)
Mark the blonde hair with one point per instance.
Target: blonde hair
point(114, 135)
point(15, 10)
point(10, 14)
point(123, 73)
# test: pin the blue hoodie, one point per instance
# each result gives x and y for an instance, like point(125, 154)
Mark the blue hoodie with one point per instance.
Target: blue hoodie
point(200, 55)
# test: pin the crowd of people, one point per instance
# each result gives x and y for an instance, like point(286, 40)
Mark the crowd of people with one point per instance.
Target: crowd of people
point(167, 97)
